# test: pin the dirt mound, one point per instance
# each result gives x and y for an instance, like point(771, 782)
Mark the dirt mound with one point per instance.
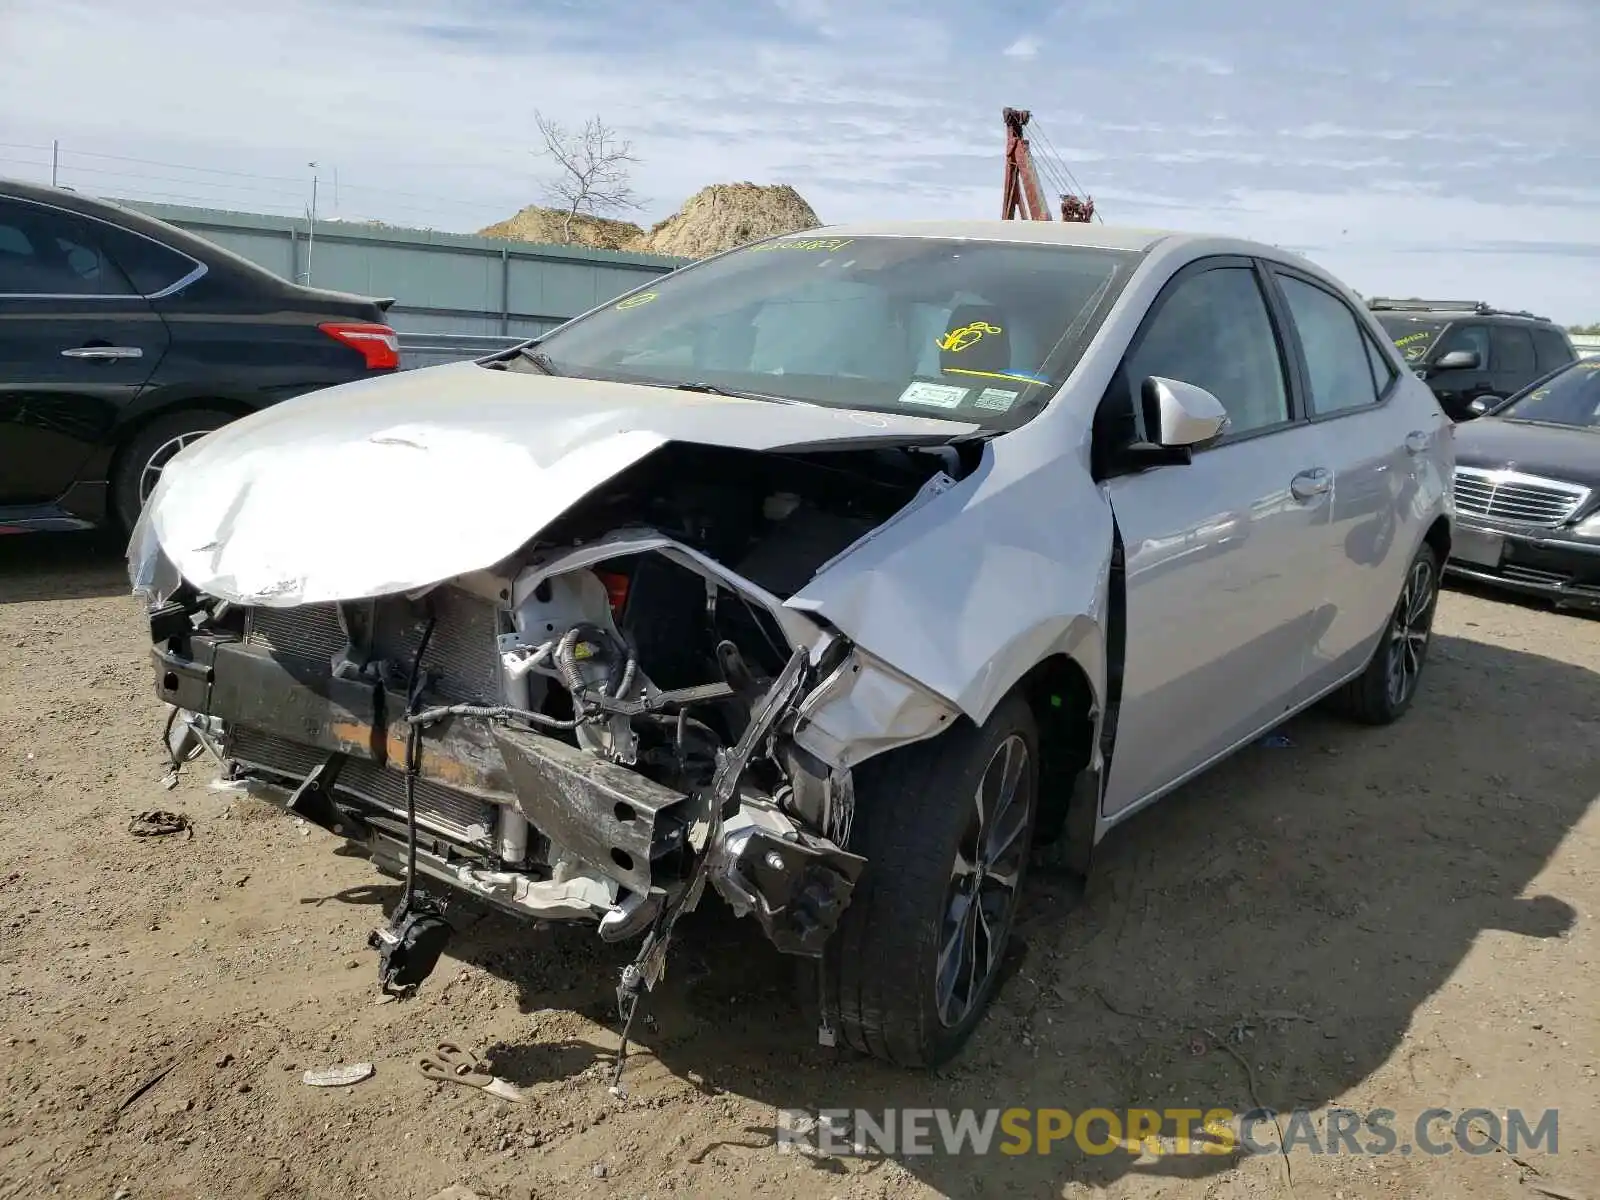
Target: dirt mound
point(715, 218)
point(535, 224)
point(726, 215)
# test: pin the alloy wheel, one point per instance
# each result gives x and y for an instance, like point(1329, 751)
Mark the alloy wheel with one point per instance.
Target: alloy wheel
point(157, 462)
point(1409, 631)
point(985, 878)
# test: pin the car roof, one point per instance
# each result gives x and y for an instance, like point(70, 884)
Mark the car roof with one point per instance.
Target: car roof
point(153, 227)
point(1451, 315)
point(1449, 310)
point(1055, 233)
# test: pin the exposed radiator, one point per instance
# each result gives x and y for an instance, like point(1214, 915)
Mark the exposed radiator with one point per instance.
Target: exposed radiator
point(461, 662)
point(461, 665)
point(453, 814)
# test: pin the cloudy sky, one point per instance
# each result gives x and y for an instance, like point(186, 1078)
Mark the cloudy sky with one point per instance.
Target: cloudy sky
point(1436, 147)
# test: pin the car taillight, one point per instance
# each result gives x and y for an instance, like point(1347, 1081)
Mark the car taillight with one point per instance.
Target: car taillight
point(616, 590)
point(378, 344)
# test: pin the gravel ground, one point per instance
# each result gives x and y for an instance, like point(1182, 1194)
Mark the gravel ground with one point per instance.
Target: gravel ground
point(1399, 918)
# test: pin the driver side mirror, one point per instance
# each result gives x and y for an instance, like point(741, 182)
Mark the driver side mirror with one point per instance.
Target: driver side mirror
point(1459, 360)
point(1180, 416)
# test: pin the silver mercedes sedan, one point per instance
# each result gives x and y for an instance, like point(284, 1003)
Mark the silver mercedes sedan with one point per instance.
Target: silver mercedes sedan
point(845, 573)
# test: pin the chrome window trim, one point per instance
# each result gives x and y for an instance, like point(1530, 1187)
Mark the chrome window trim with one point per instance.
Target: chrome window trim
point(171, 289)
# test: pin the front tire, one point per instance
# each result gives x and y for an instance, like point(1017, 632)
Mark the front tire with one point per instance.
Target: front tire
point(1383, 692)
point(946, 827)
point(146, 454)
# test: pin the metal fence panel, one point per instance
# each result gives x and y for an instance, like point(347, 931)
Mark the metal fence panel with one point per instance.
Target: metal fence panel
point(433, 349)
point(443, 283)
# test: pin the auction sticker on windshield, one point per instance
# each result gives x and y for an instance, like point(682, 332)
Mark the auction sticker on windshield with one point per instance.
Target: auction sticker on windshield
point(938, 395)
point(995, 399)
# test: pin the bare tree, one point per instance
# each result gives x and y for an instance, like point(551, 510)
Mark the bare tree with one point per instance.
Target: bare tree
point(593, 170)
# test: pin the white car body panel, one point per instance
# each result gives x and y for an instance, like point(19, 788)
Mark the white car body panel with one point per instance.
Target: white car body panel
point(464, 464)
point(961, 595)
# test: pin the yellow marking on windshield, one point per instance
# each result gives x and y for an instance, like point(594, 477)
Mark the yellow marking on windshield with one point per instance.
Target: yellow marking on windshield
point(1414, 345)
point(815, 244)
point(635, 301)
point(958, 340)
point(1025, 379)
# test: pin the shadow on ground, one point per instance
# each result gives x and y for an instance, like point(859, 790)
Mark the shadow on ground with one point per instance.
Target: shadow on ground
point(62, 566)
point(1298, 904)
point(1487, 591)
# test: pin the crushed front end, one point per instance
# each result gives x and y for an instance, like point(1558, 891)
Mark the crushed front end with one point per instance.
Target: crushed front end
point(591, 731)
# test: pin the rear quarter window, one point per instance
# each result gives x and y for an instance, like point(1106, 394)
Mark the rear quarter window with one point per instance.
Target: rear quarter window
point(150, 266)
point(1553, 349)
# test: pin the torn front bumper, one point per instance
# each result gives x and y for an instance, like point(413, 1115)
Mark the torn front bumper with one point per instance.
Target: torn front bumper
point(335, 748)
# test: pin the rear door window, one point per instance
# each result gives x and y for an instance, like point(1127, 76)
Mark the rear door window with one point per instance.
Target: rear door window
point(48, 252)
point(1551, 348)
point(1513, 351)
point(1339, 363)
point(149, 266)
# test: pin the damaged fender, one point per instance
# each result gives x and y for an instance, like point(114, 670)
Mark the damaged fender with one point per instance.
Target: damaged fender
point(968, 592)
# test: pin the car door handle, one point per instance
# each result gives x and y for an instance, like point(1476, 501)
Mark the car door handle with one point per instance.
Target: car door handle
point(106, 353)
point(1417, 441)
point(1311, 483)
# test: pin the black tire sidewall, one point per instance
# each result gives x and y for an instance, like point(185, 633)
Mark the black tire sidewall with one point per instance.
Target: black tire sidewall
point(914, 810)
point(123, 500)
point(1379, 671)
point(1435, 581)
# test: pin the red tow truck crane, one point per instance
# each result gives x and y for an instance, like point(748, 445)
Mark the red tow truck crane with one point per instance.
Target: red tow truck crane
point(1022, 192)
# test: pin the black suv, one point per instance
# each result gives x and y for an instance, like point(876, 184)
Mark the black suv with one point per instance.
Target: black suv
point(123, 338)
point(1471, 355)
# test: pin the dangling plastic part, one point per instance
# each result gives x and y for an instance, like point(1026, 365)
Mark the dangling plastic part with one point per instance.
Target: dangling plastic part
point(410, 945)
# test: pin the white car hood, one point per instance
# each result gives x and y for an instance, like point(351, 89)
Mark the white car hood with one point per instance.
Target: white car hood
point(394, 484)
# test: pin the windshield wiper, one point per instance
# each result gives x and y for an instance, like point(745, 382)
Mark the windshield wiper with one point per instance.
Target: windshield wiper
point(539, 359)
point(1550, 424)
point(711, 389)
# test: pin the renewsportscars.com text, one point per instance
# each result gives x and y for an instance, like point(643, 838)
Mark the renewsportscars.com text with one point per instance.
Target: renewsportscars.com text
point(1174, 1131)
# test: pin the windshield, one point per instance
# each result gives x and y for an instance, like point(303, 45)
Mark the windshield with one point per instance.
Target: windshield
point(973, 331)
point(1413, 335)
point(1569, 398)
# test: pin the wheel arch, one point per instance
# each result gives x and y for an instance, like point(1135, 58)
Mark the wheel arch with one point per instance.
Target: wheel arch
point(1067, 715)
point(1065, 687)
point(127, 433)
point(1438, 537)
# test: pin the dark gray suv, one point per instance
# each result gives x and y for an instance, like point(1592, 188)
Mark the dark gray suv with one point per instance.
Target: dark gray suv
point(1471, 355)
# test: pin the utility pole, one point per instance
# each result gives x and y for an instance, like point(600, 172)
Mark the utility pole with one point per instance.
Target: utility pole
point(55, 161)
point(311, 231)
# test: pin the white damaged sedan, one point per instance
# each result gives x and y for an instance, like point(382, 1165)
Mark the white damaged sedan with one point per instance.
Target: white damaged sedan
point(844, 573)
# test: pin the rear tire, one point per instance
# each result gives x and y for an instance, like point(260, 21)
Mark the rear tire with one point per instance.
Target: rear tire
point(1383, 692)
point(914, 963)
point(142, 458)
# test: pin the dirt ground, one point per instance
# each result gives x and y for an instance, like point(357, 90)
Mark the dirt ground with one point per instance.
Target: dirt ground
point(1401, 918)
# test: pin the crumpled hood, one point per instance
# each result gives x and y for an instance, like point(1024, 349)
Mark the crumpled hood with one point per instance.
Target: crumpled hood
point(392, 484)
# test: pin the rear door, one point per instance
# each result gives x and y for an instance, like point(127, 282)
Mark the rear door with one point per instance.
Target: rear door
point(77, 344)
point(1552, 347)
point(1376, 450)
point(1224, 556)
point(1514, 363)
